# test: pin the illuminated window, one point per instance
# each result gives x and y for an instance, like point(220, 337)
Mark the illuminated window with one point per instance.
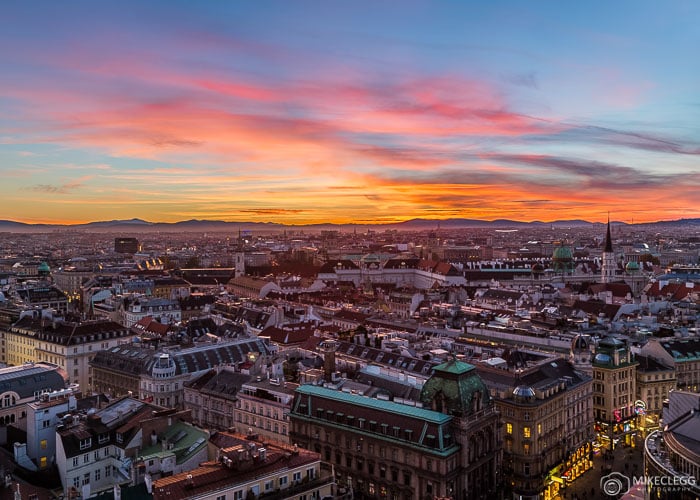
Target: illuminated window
point(509, 428)
point(526, 432)
point(43, 444)
point(539, 428)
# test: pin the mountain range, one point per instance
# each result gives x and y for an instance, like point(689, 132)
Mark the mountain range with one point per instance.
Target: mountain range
point(194, 225)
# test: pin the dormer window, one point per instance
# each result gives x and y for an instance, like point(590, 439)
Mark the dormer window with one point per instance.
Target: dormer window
point(85, 443)
point(104, 438)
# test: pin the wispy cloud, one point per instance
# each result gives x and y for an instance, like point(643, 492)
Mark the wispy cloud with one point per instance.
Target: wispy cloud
point(53, 189)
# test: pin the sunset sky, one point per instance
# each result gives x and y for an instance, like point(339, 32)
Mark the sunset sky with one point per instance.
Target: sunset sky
point(349, 111)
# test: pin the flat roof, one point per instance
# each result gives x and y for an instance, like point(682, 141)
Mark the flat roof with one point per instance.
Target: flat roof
point(389, 406)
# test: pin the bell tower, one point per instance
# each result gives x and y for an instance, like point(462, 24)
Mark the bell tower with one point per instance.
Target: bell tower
point(608, 259)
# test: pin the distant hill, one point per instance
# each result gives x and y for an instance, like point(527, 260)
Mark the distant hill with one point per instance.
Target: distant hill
point(194, 225)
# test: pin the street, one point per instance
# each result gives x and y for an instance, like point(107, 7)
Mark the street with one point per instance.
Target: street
point(627, 461)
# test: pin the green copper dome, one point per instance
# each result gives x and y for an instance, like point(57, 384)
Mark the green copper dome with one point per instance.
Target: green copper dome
point(562, 259)
point(631, 266)
point(43, 268)
point(455, 388)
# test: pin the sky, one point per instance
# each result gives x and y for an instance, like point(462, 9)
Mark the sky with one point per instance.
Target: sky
point(349, 111)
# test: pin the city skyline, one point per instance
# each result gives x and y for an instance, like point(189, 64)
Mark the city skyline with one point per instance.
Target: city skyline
point(315, 112)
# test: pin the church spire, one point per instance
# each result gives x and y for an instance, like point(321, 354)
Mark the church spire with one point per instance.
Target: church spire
point(608, 265)
point(608, 239)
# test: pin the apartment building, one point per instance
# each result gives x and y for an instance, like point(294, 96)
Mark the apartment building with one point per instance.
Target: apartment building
point(249, 468)
point(212, 397)
point(38, 337)
point(614, 392)
point(546, 410)
point(24, 384)
point(43, 416)
point(163, 310)
point(122, 443)
point(654, 383)
point(683, 355)
point(263, 407)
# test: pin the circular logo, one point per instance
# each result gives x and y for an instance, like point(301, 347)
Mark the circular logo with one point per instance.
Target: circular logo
point(612, 487)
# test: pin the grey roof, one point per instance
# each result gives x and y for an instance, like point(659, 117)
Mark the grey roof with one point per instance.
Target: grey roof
point(134, 359)
point(26, 380)
point(225, 384)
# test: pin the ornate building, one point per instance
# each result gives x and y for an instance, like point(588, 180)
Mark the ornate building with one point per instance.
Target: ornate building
point(385, 449)
point(581, 354)
point(546, 409)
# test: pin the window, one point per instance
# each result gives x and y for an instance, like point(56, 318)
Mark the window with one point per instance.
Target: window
point(238, 495)
point(283, 481)
point(45, 424)
point(97, 454)
point(43, 462)
point(85, 443)
point(43, 443)
point(108, 471)
point(296, 477)
point(526, 432)
point(269, 485)
point(98, 473)
point(509, 428)
point(86, 478)
point(86, 458)
point(76, 482)
point(221, 497)
point(75, 461)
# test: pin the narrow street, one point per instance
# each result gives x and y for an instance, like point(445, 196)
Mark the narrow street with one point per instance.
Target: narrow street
point(627, 461)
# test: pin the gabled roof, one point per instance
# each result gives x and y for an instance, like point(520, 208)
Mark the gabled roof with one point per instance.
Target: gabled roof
point(596, 307)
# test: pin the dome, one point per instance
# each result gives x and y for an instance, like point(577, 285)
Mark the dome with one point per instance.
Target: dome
point(632, 266)
point(44, 268)
point(562, 254)
point(455, 388)
point(523, 393)
point(581, 343)
point(562, 259)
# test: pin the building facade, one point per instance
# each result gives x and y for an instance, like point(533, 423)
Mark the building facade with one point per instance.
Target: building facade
point(683, 355)
point(69, 345)
point(614, 393)
point(444, 445)
point(160, 376)
point(546, 410)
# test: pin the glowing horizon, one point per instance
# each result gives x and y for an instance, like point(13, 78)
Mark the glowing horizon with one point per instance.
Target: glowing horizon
point(322, 112)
